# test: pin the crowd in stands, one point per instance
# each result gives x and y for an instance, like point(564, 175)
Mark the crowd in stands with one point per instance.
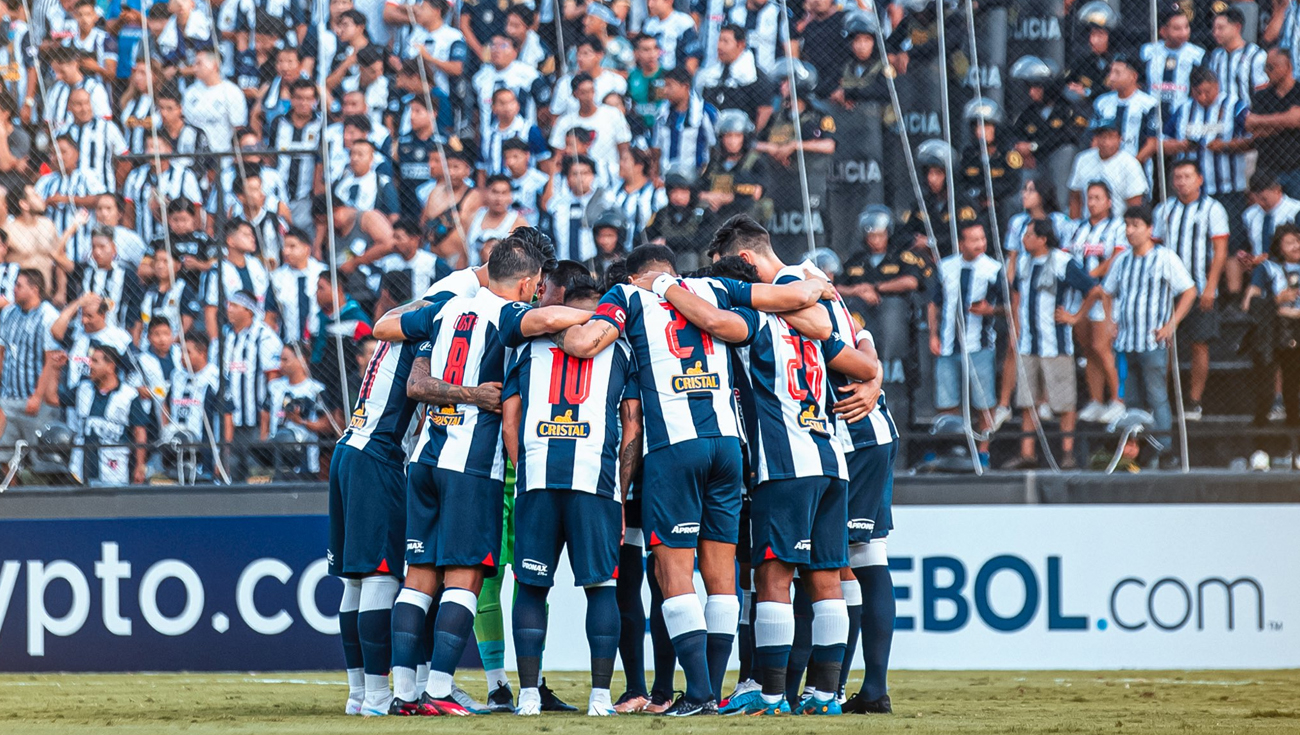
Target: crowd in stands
point(206, 205)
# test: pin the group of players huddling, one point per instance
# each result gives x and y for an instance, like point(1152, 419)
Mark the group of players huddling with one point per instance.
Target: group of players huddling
point(732, 419)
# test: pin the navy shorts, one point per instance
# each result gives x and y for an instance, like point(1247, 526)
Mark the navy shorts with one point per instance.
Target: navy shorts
point(871, 492)
point(367, 514)
point(801, 521)
point(743, 541)
point(588, 525)
point(452, 519)
point(692, 492)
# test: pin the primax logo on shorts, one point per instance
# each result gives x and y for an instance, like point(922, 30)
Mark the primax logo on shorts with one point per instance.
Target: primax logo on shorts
point(415, 546)
point(691, 528)
point(534, 566)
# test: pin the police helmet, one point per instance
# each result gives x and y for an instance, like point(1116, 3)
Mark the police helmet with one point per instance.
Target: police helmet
point(859, 22)
point(983, 109)
point(933, 153)
point(1033, 70)
point(733, 121)
point(828, 261)
point(876, 218)
point(1098, 14)
point(54, 443)
point(679, 177)
point(805, 76)
point(1132, 421)
point(948, 426)
point(610, 218)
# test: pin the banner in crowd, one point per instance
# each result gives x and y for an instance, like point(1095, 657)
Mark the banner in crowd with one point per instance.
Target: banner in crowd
point(978, 587)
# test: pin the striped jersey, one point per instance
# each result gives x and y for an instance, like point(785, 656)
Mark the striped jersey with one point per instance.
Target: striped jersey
point(119, 287)
point(1136, 116)
point(1016, 226)
point(298, 170)
point(102, 423)
point(1261, 223)
point(99, 142)
point(1092, 244)
point(139, 119)
point(74, 184)
point(1272, 278)
point(468, 337)
point(196, 402)
point(156, 370)
point(8, 276)
point(179, 300)
point(250, 355)
point(282, 397)
point(961, 284)
point(56, 101)
point(639, 208)
point(1189, 229)
point(1168, 70)
point(1240, 72)
point(1222, 121)
point(570, 430)
point(685, 138)
point(1045, 283)
point(25, 337)
point(145, 182)
point(292, 296)
point(685, 378)
point(1144, 287)
point(251, 277)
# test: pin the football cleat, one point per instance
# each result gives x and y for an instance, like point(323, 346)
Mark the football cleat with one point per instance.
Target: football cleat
point(353, 707)
point(443, 706)
point(816, 706)
point(686, 708)
point(631, 703)
point(860, 705)
point(530, 703)
point(501, 699)
point(402, 708)
point(471, 705)
point(761, 708)
point(600, 707)
point(747, 693)
point(552, 703)
point(659, 703)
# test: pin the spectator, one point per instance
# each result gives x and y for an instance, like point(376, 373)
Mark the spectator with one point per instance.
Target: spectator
point(644, 82)
point(1274, 123)
point(106, 415)
point(592, 114)
point(448, 200)
point(183, 136)
point(351, 28)
point(1106, 162)
point(28, 360)
point(508, 125)
point(214, 105)
point(1169, 63)
point(574, 207)
point(436, 43)
point(970, 292)
point(526, 182)
point(193, 247)
point(534, 52)
point(154, 182)
point(298, 133)
point(1152, 292)
point(105, 276)
point(1238, 65)
point(294, 404)
point(602, 23)
point(362, 187)
point(157, 359)
point(1134, 111)
point(196, 405)
point(1275, 292)
point(1195, 226)
point(1097, 239)
point(33, 237)
point(495, 220)
point(639, 197)
point(1044, 343)
point(675, 33)
point(239, 272)
point(92, 329)
point(590, 57)
point(1272, 209)
point(291, 300)
point(340, 324)
point(186, 34)
point(505, 71)
point(409, 271)
point(734, 82)
point(130, 247)
point(252, 353)
point(167, 298)
point(275, 95)
point(761, 20)
point(99, 142)
point(65, 190)
point(66, 64)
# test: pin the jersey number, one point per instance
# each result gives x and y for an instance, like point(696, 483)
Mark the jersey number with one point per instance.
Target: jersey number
point(677, 324)
point(570, 378)
point(454, 373)
point(805, 361)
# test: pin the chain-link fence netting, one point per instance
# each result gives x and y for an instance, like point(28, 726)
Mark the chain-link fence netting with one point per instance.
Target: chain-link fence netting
point(1069, 225)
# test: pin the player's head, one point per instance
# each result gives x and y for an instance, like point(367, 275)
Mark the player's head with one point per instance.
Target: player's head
point(567, 275)
point(366, 350)
point(743, 236)
point(615, 274)
point(585, 296)
point(734, 267)
point(645, 258)
point(515, 266)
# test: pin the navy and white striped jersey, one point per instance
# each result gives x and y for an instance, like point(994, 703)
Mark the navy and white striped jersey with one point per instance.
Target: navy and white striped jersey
point(1240, 72)
point(250, 356)
point(490, 159)
point(1015, 239)
point(18, 59)
point(463, 283)
point(570, 429)
point(1136, 116)
point(99, 143)
point(444, 44)
point(1144, 287)
point(196, 402)
point(527, 191)
point(639, 208)
point(282, 397)
point(1092, 244)
point(298, 169)
point(175, 182)
point(99, 44)
point(1044, 283)
point(961, 284)
point(1122, 174)
point(796, 435)
point(180, 300)
point(674, 34)
point(468, 337)
point(685, 138)
point(56, 102)
point(156, 370)
point(1288, 38)
point(685, 378)
point(1168, 70)
point(74, 184)
point(252, 277)
point(82, 343)
point(1222, 121)
point(102, 423)
point(190, 139)
point(8, 276)
point(1189, 229)
point(1261, 223)
point(421, 271)
point(292, 296)
point(25, 337)
point(1272, 278)
point(139, 119)
point(369, 191)
point(525, 81)
point(119, 287)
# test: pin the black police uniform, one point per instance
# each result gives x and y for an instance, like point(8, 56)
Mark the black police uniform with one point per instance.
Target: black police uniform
point(913, 220)
point(787, 226)
point(1049, 126)
point(742, 179)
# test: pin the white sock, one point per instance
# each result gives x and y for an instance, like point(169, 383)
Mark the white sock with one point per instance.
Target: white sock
point(408, 683)
point(830, 627)
point(495, 678)
point(404, 684)
point(377, 694)
point(439, 685)
point(852, 592)
point(356, 684)
point(683, 614)
point(421, 677)
point(598, 696)
point(773, 624)
point(722, 614)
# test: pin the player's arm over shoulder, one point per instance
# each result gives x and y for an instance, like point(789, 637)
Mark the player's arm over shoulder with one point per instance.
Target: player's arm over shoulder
point(588, 339)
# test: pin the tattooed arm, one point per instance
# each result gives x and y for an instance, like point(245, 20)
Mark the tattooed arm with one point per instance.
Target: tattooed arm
point(586, 340)
point(425, 388)
point(630, 450)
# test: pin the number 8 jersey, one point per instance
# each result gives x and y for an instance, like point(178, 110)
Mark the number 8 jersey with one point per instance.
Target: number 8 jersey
point(685, 378)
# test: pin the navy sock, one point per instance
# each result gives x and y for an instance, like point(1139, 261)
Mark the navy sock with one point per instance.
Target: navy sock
point(631, 633)
point(602, 633)
point(350, 633)
point(375, 627)
point(878, 611)
point(665, 658)
point(451, 631)
point(407, 641)
point(746, 637)
point(692, 651)
point(529, 624)
point(801, 651)
point(426, 635)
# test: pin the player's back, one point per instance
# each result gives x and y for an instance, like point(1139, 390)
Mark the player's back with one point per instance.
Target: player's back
point(570, 428)
point(685, 377)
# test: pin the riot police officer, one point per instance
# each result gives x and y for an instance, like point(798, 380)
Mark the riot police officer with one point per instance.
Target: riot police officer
point(932, 159)
point(685, 225)
point(1047, 132)
point(1093, 53)
point(1005, 163)
point(734, 177)
point(859, 100)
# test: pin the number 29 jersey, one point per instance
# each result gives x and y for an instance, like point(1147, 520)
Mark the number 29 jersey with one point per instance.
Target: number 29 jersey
point(684, 377)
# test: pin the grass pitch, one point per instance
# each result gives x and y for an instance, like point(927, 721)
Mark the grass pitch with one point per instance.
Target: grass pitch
point(925, 702)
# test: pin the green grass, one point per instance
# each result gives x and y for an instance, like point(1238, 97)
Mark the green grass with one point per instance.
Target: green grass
point(925, 702)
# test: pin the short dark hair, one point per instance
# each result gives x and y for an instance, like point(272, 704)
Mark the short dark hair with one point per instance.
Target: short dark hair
point(155, 323)
point(678, 74)
point(360, 122)
point(578, 79)
point(615, 274)
point(964, 227)
point(592, 41)
point(1043, 228)
point(525, 13)
point(410, 226)
point(570, 274)
point(1261, 181)
point(199, 339)
point(1140, 212)
point(299, 234)
point(1184, 163)
point(1233, 15)
point(369, 54)
point(638, 38)
point(643, 255)
point(570, 161)
point(1275, 247)
point(583, 292)
point(515, 144)
point(442, 6)
point(513, 259)
point(181, 204)
point(496, 179)
point(735, 268)
point(741, 232)
point(35, 279)
point(1099, 183)
point(737, 31)
point(1200, 75)
point(354, 15)
point(171, 90)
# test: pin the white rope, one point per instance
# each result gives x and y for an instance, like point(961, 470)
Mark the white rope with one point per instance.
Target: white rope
point(1012, 329)
point(798, 133)
point(20, 448)
point(918, 194)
